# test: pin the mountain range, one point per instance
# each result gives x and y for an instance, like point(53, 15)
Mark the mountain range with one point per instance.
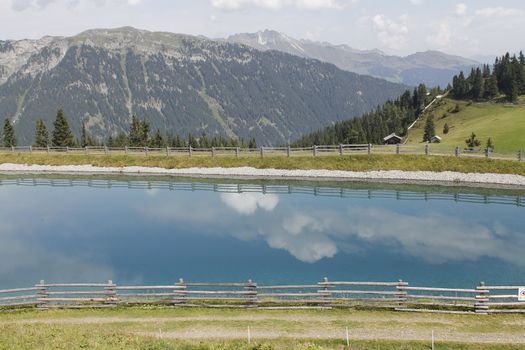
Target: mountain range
point(182, 84)
point(433, 68)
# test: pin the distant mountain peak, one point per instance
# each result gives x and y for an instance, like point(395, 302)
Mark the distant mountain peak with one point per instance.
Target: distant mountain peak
point(430, 67)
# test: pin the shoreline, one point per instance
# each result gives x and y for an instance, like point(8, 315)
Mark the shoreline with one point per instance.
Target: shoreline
point(387, 176)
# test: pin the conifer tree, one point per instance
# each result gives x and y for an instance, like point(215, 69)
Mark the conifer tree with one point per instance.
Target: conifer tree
point(490, 144)
point(446, 129)
point(85, 140)
point(144, 133)
point(491, 87)
point(158, 140)
point(41, 134)
point(62, 135)
point(472, 141)
point(135, 132)
point(192, 141)
point(430, 130)
point(8, 135)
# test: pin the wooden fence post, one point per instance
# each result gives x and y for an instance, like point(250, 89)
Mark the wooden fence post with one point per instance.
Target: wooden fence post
point(369, 149)
point(167, 151)
point(237, 152)
point(398, 149)
point(146, 150)
point(43, 295)
point(180, 293)
point(288, 151)
point(427, 149)
point(251, 288)
point(30, 149)
point(13, 149)
point(48, 149)
point(126, 149)
point(190, 151)
point(111, 294)
point(67, 149)
point(401, 295)
point(262, 152)
point(213, 151)
point(106, 151)
point(315, 150)
point(456, 151)
point(86, 150)
point(326, 294)
point(482, 299)
point(488, 150)
point(341, 150)
point(520, 155)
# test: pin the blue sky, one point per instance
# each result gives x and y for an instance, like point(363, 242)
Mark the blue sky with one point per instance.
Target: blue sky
point(469, 28)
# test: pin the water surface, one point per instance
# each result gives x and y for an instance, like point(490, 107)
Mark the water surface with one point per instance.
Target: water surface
point(132, 230)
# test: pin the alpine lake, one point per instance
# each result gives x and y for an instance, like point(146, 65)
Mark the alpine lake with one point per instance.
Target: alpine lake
point(135, 230)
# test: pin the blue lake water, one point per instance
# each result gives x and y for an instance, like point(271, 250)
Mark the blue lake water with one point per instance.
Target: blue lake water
point(135, 231)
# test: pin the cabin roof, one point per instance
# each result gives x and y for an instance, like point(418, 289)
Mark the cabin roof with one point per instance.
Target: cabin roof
point(391, 136)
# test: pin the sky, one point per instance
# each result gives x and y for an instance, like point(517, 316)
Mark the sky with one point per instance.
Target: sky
point(480, 28)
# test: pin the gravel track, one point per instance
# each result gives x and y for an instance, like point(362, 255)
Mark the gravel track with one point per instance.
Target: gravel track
point(388, 175)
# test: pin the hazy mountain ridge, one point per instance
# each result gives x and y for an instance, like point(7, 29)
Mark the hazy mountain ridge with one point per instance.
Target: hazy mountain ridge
point(430, 67)
point(181, 84)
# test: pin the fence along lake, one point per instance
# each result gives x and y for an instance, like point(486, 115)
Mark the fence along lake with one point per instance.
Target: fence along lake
point(150, 231)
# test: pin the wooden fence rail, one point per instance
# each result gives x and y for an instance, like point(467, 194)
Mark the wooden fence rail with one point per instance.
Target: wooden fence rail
point(315, 151)
point(398, 296)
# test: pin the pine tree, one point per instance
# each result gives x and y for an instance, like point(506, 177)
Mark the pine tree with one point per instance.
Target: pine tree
point(192, 141)
point(85, 140)
point(144, 133)
point(41, 134)
point(62, 135)
point(135, 132)
point(476, 78)
point(490, 144)
point(446, 129)
point(158, 140)
point(8, 135)
point(430, 130)
point(512, 94)
point(252, 144)
point(472, 141)
point(491, 87)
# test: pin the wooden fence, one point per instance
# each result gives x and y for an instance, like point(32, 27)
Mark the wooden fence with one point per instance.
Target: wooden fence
point(315, 151)
point(398, 296)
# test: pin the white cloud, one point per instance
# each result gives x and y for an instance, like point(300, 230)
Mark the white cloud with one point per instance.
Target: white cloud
point(21, 5)
point(461, 9)
point(495, 12)
point(392, 33)
point(416, 2)
point(235, 5)
point(248, 203)
point(443, 37)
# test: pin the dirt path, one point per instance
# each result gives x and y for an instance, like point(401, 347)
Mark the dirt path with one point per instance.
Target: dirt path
point(362, 326)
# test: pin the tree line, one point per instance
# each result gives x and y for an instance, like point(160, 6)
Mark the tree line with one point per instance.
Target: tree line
point(395, 116)
point(507, 77)
point(139, 135)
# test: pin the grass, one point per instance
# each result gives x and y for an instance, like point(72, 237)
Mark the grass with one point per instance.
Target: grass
point(504, 123)
point(168, 328)
point(347, 162)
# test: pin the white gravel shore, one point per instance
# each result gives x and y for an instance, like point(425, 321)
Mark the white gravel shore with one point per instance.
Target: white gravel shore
point(390, 175)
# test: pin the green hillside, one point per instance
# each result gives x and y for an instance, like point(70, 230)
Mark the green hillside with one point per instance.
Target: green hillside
point(504, 123)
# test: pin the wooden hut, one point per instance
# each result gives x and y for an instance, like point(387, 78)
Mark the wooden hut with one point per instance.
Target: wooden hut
point(392, 139)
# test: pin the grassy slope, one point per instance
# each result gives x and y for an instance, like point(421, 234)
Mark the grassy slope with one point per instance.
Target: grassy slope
point(505, 124)
point(352, 163)
point(156, 328)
